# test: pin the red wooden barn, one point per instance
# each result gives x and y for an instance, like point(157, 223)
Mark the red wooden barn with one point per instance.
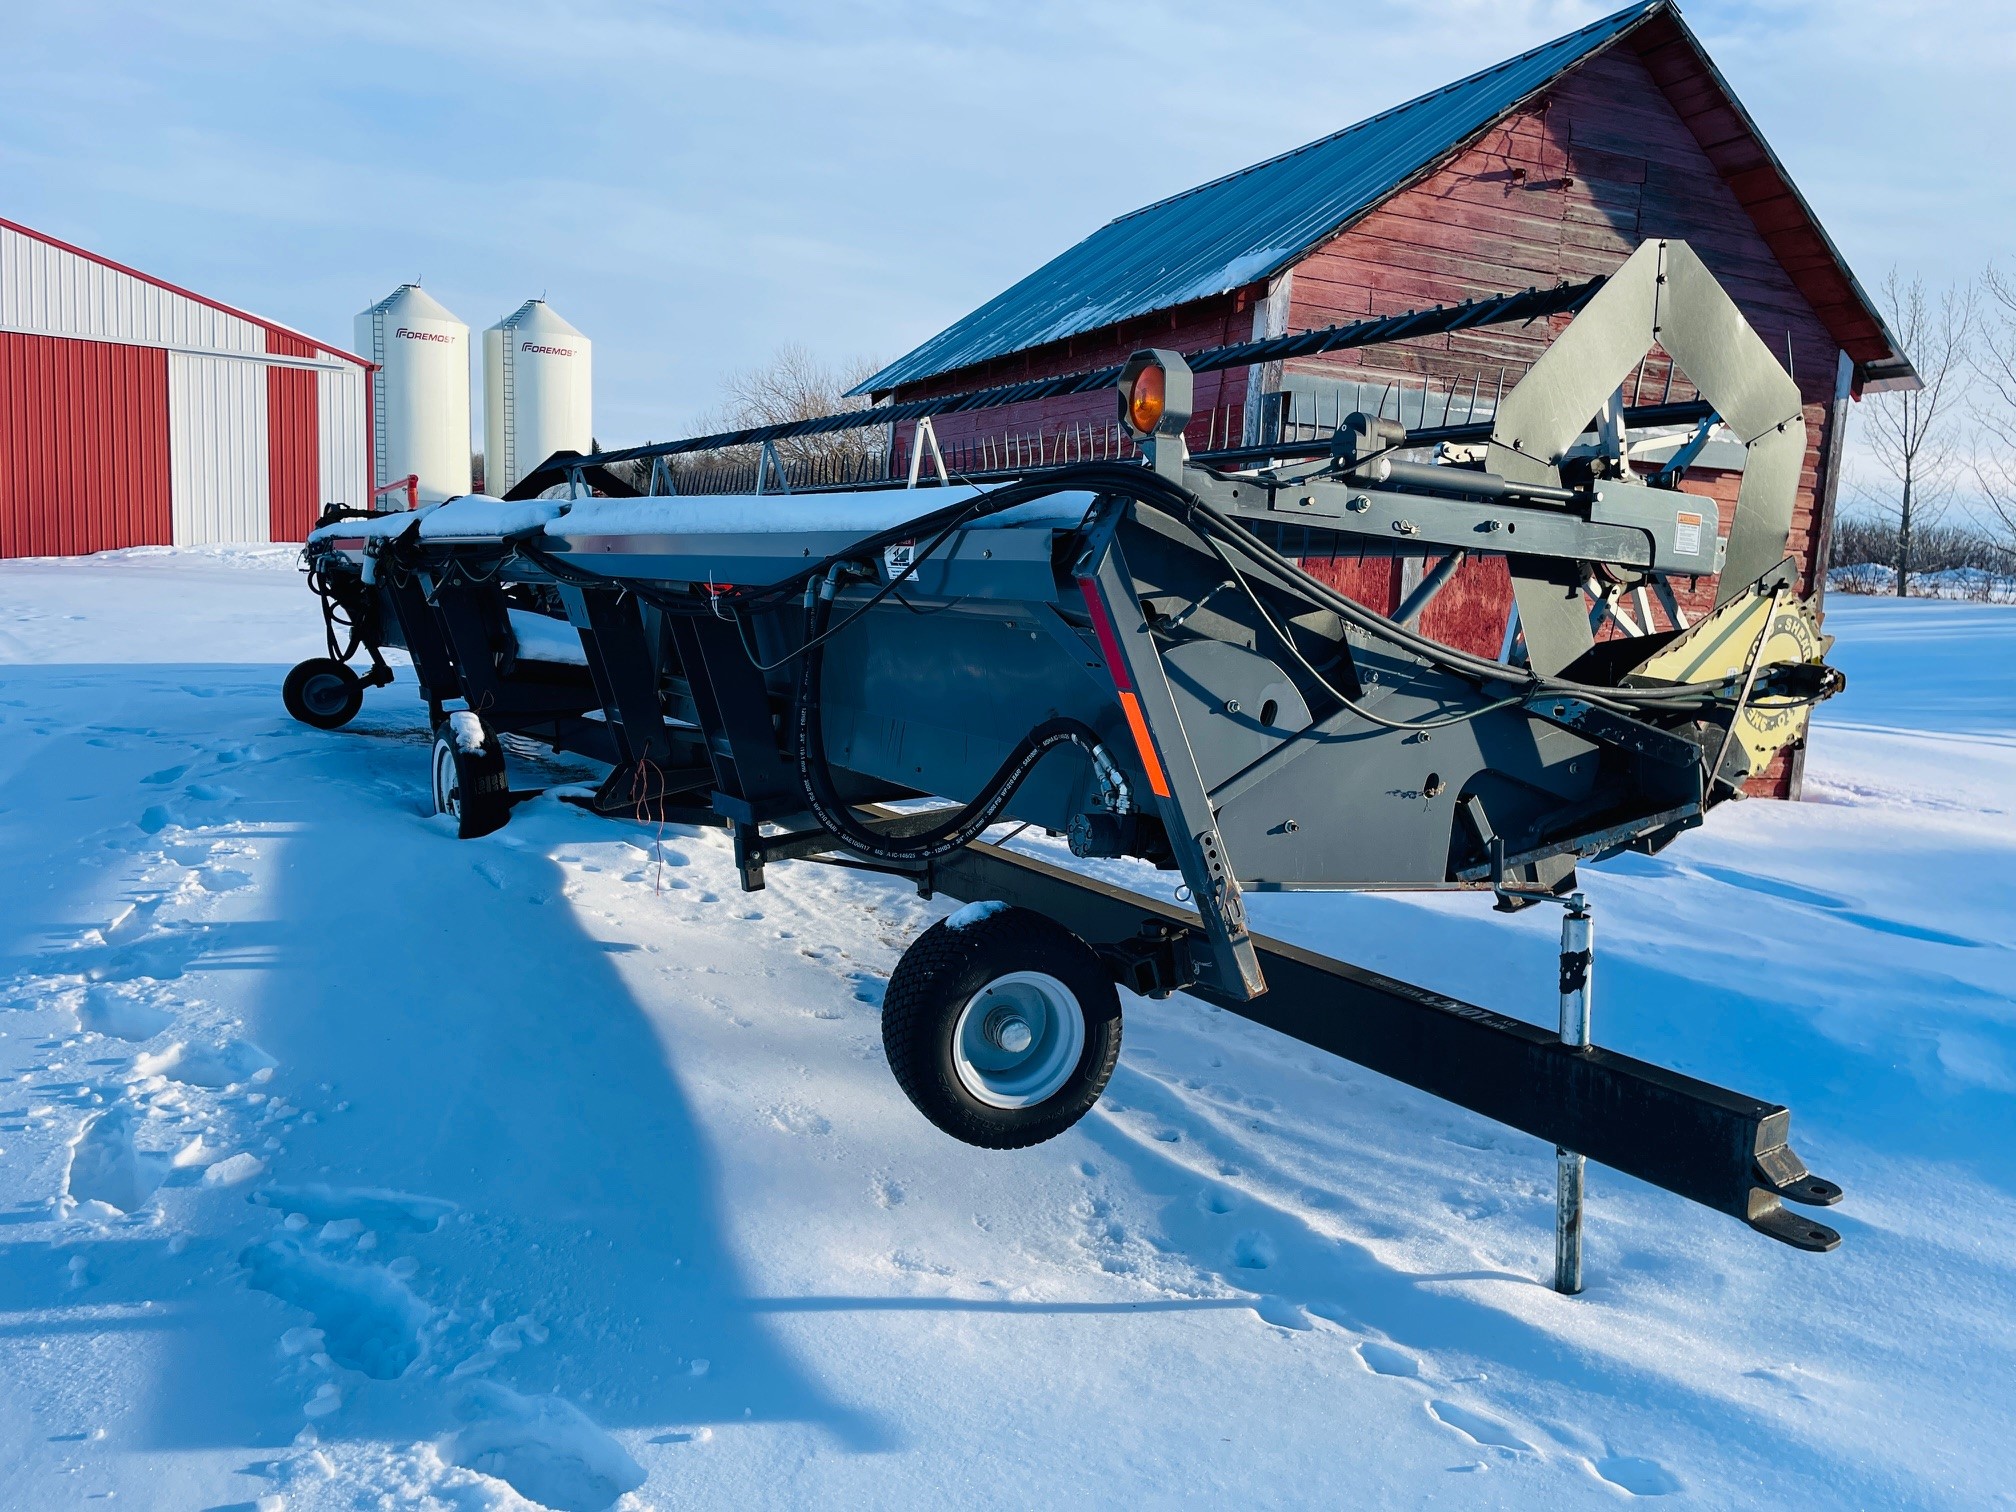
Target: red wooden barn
point(1554, 165)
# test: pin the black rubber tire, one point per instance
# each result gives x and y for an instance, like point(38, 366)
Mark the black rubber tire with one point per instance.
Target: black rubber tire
point(470, 786)
point(940, 974)
point(323, 692)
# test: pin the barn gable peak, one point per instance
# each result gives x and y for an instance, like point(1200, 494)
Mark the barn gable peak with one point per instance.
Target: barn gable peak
point(1244, 227)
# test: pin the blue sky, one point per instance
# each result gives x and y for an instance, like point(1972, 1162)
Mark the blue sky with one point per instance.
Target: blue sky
point(693, 186)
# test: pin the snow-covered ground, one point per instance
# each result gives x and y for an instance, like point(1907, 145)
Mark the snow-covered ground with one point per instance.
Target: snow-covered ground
point(343, 1163)
point(1972, 584)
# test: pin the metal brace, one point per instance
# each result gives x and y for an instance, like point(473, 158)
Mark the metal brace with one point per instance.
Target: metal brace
point(767, 466)
point(926, 435)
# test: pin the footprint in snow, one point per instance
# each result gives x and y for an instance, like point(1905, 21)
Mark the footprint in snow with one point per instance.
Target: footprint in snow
point(122, 1010)
point(1478, 1428)
point(160, 957)
point(1254, 1250)
point(132, 920)
point(543, 1447)
point(800, 1121)
point(1640, 1477)
point(1283, 1314)
point(105, 1167)
point(1384, 1359)
point(370, 1319)
point(214, 1066)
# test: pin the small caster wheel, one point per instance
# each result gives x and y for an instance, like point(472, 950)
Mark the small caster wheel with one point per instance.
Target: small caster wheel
point(323, 693)
point(1002, 1026)
point(469, 780)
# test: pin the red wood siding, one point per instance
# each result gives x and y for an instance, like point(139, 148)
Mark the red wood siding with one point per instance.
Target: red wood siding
point(84, 438)
point(1217, 321)
point(1566, 188)
point(293, 442)
point(1639, 142)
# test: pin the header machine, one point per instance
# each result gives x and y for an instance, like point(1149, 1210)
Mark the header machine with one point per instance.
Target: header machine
point(1120, 652)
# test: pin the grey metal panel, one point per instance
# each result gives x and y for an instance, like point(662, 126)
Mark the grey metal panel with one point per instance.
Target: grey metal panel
point(1715, 345)
point(1663, 293)
point(1552, 405)
point(1011, 563)
point(1657, 512)
point(1248, 225)
point(1763, 522)
point(1223, 691)
point(1409, 522)
point(1757, 399)
point(1552, 618)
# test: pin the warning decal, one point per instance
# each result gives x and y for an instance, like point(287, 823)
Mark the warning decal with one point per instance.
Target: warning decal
point(1686, 533)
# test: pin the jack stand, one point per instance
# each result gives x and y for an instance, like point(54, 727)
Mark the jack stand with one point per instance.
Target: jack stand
point(1578, 933)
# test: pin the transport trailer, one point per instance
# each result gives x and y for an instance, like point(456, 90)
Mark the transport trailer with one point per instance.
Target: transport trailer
point(1120, 653)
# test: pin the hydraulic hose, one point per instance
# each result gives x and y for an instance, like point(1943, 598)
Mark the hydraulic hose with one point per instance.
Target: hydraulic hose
point(815, 776)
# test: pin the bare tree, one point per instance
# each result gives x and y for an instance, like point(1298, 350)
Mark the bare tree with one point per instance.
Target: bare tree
point(1911, 433)
point(1993, 401)
point(793, 385)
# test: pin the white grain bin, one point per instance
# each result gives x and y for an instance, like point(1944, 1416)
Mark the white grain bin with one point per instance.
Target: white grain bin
point(420, 395)
point(537, 393)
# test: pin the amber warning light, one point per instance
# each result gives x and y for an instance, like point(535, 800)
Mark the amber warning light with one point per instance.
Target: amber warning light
point(1155, 391)
point(1144, 405)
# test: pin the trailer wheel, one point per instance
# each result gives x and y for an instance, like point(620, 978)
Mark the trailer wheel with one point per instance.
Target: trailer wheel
point(323, 693)
point(470, 785)
point(1004, 1031)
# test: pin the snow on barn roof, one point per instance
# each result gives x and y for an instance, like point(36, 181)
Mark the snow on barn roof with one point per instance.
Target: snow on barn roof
point(1247, 226)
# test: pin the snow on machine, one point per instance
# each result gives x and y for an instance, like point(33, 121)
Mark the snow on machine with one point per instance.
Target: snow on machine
point(1121, 652)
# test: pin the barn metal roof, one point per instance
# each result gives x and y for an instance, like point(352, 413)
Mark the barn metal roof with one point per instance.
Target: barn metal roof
point(1248, 225)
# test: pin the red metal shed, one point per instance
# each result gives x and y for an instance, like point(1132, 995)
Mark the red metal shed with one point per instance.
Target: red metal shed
point(136, 413)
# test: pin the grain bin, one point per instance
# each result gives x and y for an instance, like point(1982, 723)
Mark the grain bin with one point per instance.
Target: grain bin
point(537, 393)
point(420, 394)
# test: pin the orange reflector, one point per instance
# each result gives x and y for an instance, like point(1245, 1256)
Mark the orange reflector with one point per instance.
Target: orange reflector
point(1145, 403)
point(1130, 704)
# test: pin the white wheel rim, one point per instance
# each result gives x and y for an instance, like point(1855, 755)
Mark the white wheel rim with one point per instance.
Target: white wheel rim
point(447, 786)
point(1018, 1040)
